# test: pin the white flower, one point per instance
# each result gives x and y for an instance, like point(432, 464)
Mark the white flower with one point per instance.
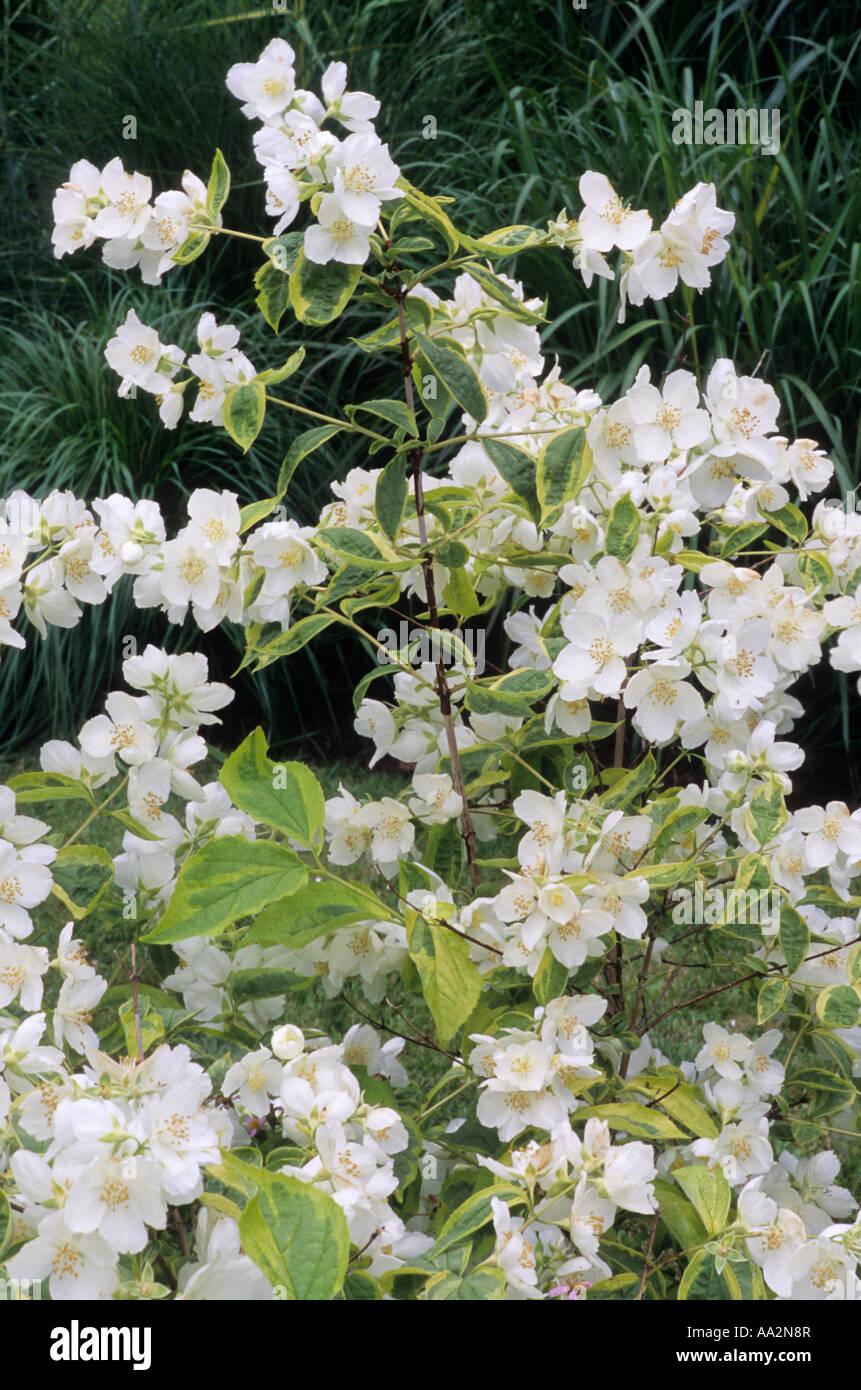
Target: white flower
point(722, 1050)
point(46, 600)
point(669, 419)
point(266, 87)
point(392, 831)
point(74, 1011)
point(336, 236)
point(355, 110)
point(25, 881)
point(256, 1080)
point(628, 1173)
point(21, 971)
point(113, 1194)
point(127, 212)
point(514, 1252)
point(661, 696)
point(77, 1265)
point(604, 221)
point(282, 549)
point(137, 354)
point(191, 570)
point(436, 801)
point(364, 177)
point(594, 660)
point(124, 729)
point(829, 831)
point(288, 1042)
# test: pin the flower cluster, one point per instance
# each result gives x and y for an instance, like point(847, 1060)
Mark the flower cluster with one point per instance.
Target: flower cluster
point(114, 205)
point(347, 180)
point(689, 243)
point(661, 592)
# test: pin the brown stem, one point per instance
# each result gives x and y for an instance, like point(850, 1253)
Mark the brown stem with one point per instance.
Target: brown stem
point(418, 1042)
point(182, 1233)
point(645, 1273)
point(443, 691)
point(739, 980)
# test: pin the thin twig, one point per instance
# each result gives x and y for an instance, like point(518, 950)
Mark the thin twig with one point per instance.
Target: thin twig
point(645, 1273)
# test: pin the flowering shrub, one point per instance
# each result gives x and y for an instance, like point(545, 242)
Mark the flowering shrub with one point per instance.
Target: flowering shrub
point(663, 591)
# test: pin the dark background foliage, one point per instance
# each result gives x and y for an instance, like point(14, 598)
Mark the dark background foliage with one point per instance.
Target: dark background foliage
point(526, 94)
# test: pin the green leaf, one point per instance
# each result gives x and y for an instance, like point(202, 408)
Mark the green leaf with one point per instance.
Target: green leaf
point(831, 1091)
point(563, 466)
point(481, 1285)
point(303, 445)
point(710, 1193)
point(701, 1281)
point(298, 1236)
point(418, 315)
point(623, 528)
point(505, 241)
point(320, 293)
point(766, 816)
point(316, 909)
point(839, 1006)
point(771, 997)
point(790, 521)
point(430, 211)
point(293, 640)
point(640, 1121)
point(396, 413)
point(273, 294)
point(243, 411)
point(273, 375)
point(285, 796)
point(474, 1213)
point(450, 980)
point(7, 1225)
point(356, 547)
point(678, 1215)
point(218, 186)
point(633, 784)
point(814, 571)
point(679, 1099)
point(677, 825)
point(194, 245)
point(359, 1286)
point(82, 875)
point(740, 537)
point(46, 786)
point(272, 279)
point(446, 360)
point(692, 560)
point(262, 983)
point(497, 289)
point(517, 468)
point(514, 693)
point(151, 1025)
point(794, 937)
point(227, 879)
point(459, 596)
point(391, 496)
point(550, 978)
